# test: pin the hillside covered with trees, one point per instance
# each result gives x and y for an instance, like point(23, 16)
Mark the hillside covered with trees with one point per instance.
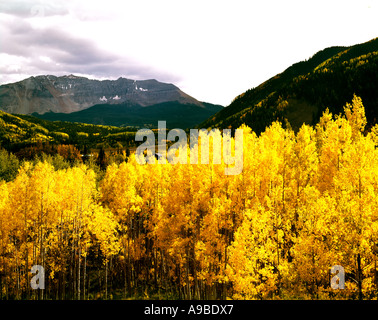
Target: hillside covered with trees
point(62, 144)
point(305, 90)
point(17, 131)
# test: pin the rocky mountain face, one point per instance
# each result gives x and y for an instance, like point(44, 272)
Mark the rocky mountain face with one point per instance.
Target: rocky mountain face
point(67, 94)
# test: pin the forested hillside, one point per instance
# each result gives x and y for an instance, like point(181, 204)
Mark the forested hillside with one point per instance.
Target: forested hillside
point(62, 144)
point(176, 114)
point(302, 92)
point(22, 131)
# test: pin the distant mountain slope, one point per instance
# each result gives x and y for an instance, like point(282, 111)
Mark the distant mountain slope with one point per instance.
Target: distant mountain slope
point(303, 91)
point(121, 102)
point(19, 131)
point(176, 114)
point(66, 94)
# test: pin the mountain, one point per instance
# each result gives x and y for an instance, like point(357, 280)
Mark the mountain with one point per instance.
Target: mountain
point(70, 93)
point(109, 102)
point(303, 91)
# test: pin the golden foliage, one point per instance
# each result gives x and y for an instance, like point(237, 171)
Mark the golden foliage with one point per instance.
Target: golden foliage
point(303, 203)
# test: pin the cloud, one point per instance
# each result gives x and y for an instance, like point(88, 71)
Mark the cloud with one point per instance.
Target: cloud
point(213, 49)
point(27, 8)
point(62, 52)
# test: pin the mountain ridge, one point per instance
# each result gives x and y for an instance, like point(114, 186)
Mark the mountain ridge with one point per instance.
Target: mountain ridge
point(304, 90)
point(70, 93)
point(121, 102)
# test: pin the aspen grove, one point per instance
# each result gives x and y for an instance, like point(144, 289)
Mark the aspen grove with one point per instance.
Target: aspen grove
point(303, 203)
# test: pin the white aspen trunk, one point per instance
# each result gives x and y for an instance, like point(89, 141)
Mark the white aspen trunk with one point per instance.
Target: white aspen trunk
point(106, 280)
point(78, 275)
point(85, 270)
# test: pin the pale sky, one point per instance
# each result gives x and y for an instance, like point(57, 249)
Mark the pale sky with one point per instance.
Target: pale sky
point(213, 50)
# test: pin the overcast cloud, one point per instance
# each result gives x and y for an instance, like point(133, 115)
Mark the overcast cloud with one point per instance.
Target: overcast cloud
point(213, 50)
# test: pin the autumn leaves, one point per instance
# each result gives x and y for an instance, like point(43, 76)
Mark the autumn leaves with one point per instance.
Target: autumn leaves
point(314, 205)
point(51, 218)
point(303, 203)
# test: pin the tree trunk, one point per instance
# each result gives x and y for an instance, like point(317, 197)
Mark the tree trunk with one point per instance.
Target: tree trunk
point(85, 272)
point(106, 280)
point(359, 277)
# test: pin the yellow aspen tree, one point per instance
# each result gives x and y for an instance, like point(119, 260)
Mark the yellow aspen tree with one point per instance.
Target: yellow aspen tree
point(355, 114)
point(122, 191)
point(355, 194)
point(316, 246)
point(304, 163)
point(278, 144)
point(252, 261)
point(31, 200)
point(102, 228)
point(5, 219)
